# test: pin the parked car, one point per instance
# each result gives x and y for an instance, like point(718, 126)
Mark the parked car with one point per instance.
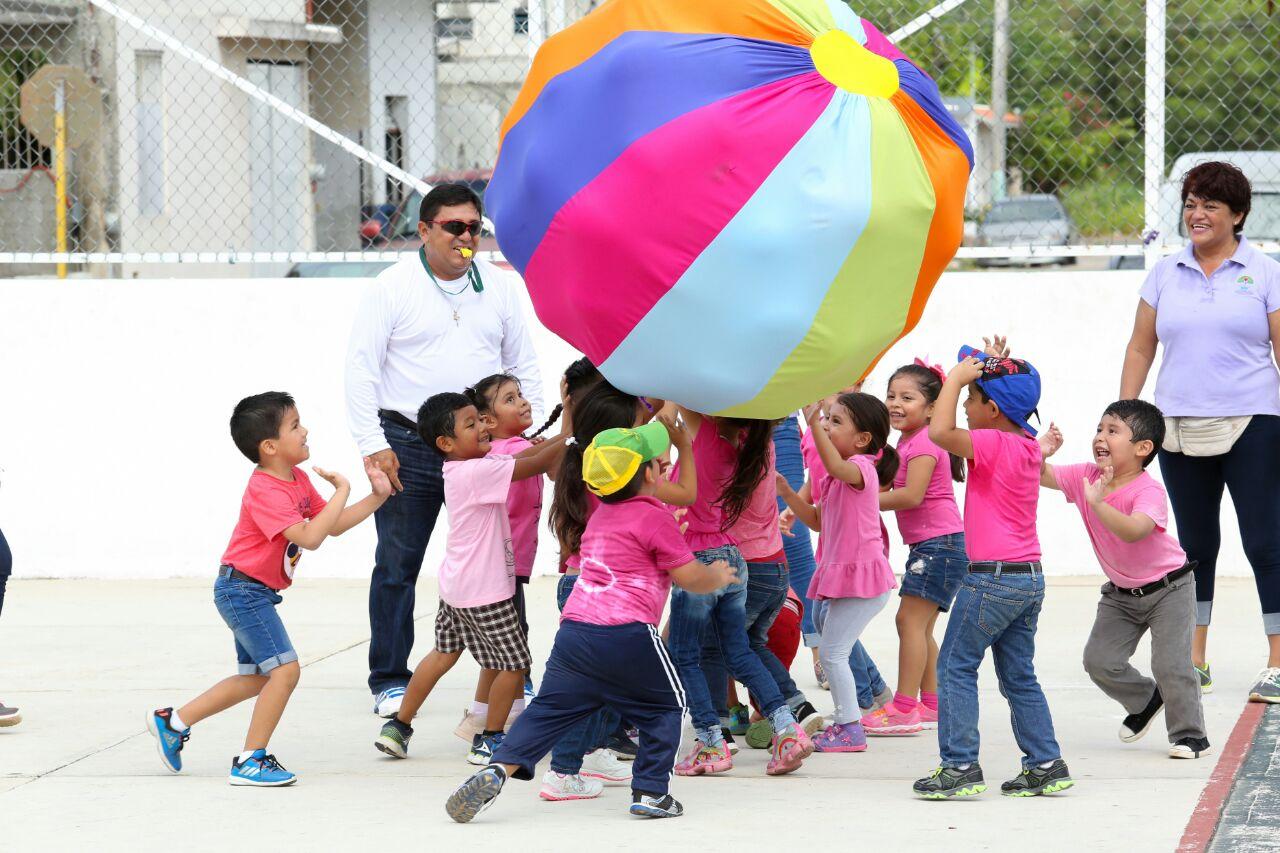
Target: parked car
point(337, 269)
point(1027, 220)
point(1262, 168)
point(395, 227)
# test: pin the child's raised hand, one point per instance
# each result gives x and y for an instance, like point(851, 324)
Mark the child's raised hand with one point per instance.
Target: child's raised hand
point(676, 430)
point(332, 477)
point(723, 573)
point(787, 521)
point(966, 371)
point(1050, 441)
point(1094, 492)
point(812, 410)
point(378, 479)
point(996, 345)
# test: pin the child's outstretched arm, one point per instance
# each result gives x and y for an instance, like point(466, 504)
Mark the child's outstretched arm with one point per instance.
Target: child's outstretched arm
point(701, 579)
point(942, 427)
point(684, 491)
point(1050, 441)
point(309, 534)
point(837, 466)
point(809, 514)
point(358, 512)
point(539, 459)
point(1130, 528)
point(911, 495)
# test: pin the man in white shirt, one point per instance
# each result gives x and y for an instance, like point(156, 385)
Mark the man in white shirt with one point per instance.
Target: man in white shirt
point(437, 322)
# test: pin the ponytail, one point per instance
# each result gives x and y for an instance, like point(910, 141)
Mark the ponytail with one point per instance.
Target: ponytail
point(929, 380)
point(551, 419)
point(887, 465)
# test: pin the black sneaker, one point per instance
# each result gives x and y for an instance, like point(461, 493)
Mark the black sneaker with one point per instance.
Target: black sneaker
point(947, 782)
point(729, 741)
point(652, 805)
point(476, 794)
point(1190, 747)
point(1036, 781)
point(809, 719)
point(1136, 725)
point(623, 748)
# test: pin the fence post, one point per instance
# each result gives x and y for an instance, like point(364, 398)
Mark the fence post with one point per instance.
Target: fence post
point(1153, 129)
point(537, 26)
point(999, 98)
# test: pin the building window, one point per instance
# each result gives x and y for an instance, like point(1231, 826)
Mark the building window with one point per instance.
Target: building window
point(520, 22)
point(18, 148)
point(455, 28)
point(150, 131)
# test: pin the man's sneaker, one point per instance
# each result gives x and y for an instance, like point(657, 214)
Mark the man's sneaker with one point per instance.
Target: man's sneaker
point(387, 703)
point(1190, 747)
point(1137, 725)
point(739, 719)
point(729, 741)
point(760, 734)
point(476, 794)
point(261, 771)
point(890, 722)
point(790, 748)
point(482, 748)
point(605, 766)
point(947, 782)
point(1267, 689)
point(928, 718)
point(821, 675)
point(650, 805)
point(1206, 678)
point(808, 717)
point(558, 787)
point(1036, 780)
point(704, 760)
point(470, 726)
point(394, 739)
point(169, 740)
point(9, 716)
point(838, 737)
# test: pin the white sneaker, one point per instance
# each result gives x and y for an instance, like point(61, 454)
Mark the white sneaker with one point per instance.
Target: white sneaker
point(605, 766)
point(471, 725)
point(387, 703)
point(557, 787)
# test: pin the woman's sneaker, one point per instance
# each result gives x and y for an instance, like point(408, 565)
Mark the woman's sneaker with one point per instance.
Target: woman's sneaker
point(890, 722)
point(1137, 725)
point(482, 748)
point(260, 771)
point(605, 766)
point(651, 805)
point(841, 737)
point(704, 760)
point(1206, 678)
point(1035, 781)
point(947, 782)
point(1190, 747)
point(9, 716)
point(169, 740)
point(559, 787)
point(476, 794)
point(394, 739)
point(808, 717)
point(790, 748)
point(1267, 689)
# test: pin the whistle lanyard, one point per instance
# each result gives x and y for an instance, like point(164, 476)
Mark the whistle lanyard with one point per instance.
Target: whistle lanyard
point(473, 277)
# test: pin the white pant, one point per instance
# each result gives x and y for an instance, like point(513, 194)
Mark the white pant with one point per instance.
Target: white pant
point(846, 619)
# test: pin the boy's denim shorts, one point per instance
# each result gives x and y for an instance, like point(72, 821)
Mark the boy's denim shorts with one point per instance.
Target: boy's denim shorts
point(935, 569)
point(249, 609)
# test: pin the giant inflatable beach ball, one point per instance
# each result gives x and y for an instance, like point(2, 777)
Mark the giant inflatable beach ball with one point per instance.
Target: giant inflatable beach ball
point(735, 204)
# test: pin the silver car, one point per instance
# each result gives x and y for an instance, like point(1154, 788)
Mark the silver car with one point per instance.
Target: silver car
point(1025, 221)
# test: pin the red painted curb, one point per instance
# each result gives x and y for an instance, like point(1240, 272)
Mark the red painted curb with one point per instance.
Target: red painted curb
point(1204, 817)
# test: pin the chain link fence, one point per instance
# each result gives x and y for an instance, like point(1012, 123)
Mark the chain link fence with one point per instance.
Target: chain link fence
point(277, 131)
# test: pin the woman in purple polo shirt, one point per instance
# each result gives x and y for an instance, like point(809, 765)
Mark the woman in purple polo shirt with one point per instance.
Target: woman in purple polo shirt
point(1215, 306)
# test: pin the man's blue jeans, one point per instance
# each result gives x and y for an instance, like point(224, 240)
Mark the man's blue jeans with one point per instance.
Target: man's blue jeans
point(1000, 612)
point(588, 735)
point(404, 525)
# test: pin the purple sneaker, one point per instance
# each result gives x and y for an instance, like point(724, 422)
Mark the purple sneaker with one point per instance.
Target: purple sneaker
point(841, 737)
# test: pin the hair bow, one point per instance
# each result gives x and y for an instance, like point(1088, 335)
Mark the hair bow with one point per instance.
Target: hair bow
point(935, 369)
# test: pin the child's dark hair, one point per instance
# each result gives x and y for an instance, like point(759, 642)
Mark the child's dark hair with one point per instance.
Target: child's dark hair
point(436, 416)
point(631, 489)
point(579, 376)
point(257, 419)
point(1144, 420)
point(871, 415)
point(753, 464)
point(483, 394)
point(930, 385)
point(599, 408)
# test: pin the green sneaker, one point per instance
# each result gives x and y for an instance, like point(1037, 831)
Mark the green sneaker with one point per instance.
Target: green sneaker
point(760, 735)
point(394, 739)
point(947, 782)
point(1206, 679)
point(739, 719)
point(1035, 781)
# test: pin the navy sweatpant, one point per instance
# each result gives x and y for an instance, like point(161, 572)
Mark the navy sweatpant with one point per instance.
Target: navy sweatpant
point(625, 667)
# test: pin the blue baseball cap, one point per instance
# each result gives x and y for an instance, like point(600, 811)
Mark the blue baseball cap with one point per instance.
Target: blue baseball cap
point(1013, 383)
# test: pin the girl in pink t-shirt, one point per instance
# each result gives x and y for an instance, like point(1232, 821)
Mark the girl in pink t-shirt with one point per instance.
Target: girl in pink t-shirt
point(853, 573)
point(929, 520)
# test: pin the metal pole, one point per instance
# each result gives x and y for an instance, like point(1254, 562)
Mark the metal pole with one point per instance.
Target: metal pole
point(60, 169)
point(999, 98)
point(1153, 153)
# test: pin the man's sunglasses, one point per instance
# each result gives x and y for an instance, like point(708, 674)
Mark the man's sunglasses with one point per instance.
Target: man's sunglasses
point(456, 227)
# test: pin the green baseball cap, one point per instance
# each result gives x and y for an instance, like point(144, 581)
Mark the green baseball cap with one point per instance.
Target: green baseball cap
point(614, 456)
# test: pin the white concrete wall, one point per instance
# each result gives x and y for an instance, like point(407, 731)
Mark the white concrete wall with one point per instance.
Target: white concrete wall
point(114, 444)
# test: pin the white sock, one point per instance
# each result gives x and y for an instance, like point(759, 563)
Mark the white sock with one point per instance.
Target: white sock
point(175, 722)
point(963, 766)
point(1046, 765)
point(479, 709)
point(245, 756)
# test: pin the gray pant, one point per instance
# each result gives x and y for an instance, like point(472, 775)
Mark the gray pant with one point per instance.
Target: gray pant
point(1123, 618)
point(846, 619)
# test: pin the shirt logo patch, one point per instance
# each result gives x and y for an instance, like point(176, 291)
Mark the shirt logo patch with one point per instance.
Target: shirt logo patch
point(1245, 284)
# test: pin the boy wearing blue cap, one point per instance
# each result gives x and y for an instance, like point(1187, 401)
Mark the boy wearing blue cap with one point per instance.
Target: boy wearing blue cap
point(999, 603)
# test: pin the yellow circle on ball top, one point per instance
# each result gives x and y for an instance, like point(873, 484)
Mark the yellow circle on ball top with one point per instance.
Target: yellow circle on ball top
point(845, 63)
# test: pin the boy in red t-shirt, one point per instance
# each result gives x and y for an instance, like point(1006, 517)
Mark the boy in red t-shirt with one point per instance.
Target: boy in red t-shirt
point(281, 515)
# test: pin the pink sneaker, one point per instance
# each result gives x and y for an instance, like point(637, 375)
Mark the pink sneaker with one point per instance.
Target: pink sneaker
point(705, 760)
point(841, 737)
point(789, 749)
point(890, 722)
point(928, 718)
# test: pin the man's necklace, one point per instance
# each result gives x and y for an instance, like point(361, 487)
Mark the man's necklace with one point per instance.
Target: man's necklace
point(473, 281)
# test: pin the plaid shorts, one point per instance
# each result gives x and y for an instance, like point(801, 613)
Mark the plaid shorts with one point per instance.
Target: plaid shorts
point(491, 631)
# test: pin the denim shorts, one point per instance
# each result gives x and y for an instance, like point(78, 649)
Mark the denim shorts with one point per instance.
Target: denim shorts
point(249, 609)
point(935, 569)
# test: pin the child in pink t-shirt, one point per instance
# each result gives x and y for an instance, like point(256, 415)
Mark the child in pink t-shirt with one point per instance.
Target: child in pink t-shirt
point(608, 652)
point(477, 579)
point(929, 520)
point(853, 574)
point(1150, 583)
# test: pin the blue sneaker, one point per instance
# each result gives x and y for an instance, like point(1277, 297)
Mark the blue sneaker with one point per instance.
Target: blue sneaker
point(169, 740)
point(482, 748)
point(260, 770)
